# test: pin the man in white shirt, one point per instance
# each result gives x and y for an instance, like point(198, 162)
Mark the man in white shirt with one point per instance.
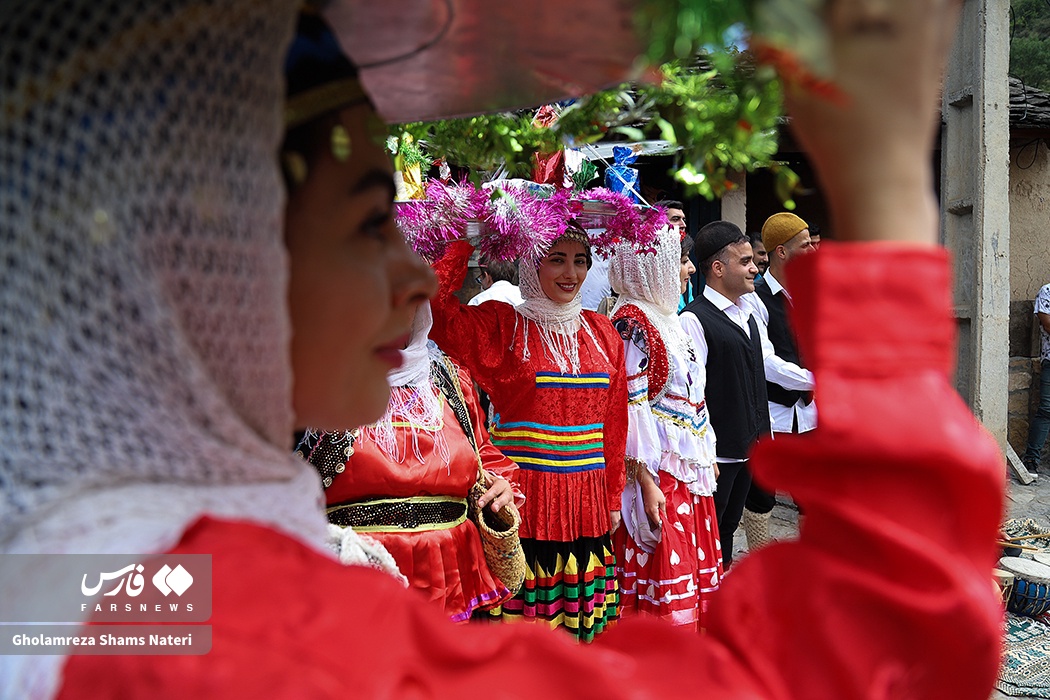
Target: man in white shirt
point(788, 385)
point(732, 345)
point(498, 280)
point(596, 287)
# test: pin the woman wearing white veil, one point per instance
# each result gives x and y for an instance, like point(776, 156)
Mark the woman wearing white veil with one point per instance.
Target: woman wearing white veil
point(669, 559)
point(554, 373)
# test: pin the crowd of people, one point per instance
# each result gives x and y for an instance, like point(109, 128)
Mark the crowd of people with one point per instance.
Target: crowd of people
point(149, 403)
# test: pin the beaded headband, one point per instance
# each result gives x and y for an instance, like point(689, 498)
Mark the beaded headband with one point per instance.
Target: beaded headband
point(312, 103)
point(574, 233)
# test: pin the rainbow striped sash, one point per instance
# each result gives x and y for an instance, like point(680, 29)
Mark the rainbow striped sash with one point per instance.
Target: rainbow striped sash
point(551, 448)
point(556, 380)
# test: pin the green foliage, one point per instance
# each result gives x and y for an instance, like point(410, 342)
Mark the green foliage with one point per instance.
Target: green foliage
point(721, 112)
point(1030, 43)
point(722, 118)
point(723, 121)
point(680, 29)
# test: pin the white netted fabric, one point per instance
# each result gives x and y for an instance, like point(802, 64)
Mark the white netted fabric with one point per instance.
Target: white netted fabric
point(145, 336)
point(559, 324)
point(650, 278)
point(144, 372)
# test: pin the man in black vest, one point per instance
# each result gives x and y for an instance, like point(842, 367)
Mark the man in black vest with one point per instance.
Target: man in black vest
point(788, 384)
point(729, 342)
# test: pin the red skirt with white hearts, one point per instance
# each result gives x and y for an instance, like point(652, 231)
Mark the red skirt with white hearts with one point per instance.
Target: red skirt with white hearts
point(675, 581)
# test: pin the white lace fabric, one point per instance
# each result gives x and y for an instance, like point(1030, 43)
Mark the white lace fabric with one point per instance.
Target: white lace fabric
point(415, 403)
point(650, 279)
point(144, 336)
point(558, 323)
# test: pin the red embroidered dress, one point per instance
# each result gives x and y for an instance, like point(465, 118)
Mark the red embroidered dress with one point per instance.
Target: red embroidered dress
point(445, 562)
point(567, 433)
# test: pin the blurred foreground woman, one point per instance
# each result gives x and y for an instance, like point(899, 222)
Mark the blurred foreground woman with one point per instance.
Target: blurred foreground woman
point(146, 313)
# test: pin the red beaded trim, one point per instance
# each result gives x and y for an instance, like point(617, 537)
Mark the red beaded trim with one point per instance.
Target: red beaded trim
point(659, 366)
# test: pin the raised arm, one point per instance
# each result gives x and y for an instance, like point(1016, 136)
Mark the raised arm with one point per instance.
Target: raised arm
point(474, 336)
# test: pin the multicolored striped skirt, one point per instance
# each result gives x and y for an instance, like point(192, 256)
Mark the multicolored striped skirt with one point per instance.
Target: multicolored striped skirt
point(571, 585)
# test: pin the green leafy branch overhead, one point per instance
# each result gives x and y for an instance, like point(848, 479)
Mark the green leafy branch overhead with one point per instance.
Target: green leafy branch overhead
point(721, 117)
point(720, 112)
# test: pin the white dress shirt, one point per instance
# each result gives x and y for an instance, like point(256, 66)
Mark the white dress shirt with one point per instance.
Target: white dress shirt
point(779, 371)
point(595, 286)
point(501, 290)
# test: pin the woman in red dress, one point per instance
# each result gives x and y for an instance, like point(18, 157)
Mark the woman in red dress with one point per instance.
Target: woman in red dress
point(407, 477)
point(554, 373)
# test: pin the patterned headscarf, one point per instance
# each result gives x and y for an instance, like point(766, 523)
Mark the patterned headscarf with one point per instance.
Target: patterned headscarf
point(650, 279)
point(559, 323)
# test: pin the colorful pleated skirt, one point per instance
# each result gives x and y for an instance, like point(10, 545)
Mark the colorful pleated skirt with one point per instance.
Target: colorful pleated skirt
point(571, 585)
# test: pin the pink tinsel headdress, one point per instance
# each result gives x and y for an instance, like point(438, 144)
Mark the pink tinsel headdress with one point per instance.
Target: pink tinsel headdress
point(430, 224)
point(514, 221)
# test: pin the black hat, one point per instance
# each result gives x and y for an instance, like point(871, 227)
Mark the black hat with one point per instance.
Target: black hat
point(320, 77)
point(715, 236)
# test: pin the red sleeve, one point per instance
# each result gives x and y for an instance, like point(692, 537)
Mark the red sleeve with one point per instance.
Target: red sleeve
point(887, 593)
point(615, 430)
point(472, 335)
point(289, 623)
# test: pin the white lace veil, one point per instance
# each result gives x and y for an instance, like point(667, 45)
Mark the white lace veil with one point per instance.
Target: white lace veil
point(144, 336)
point(414, 400)
point(650, 279)
point(559, 323)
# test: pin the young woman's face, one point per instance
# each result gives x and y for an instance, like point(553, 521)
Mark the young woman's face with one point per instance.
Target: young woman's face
point(355, 284)
point(563, 270)
point(687, 270)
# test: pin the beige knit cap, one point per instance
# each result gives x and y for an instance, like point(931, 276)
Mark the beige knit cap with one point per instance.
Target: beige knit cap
point(781, 228)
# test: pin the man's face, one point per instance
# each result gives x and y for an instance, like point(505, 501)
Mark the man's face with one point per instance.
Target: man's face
point(761, 256)
point(799, 244)
point(676, 217)
point(738, 272)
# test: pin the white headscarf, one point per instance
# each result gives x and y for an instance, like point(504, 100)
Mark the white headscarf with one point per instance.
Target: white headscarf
point(143, 313)
point(413, 398)
point(559, 323)
point(650, 279)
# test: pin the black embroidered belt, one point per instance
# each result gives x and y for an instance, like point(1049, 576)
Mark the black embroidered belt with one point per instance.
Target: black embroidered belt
point(412, 514)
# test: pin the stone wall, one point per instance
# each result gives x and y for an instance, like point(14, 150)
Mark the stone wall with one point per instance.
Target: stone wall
point(1024, 393)
point(1029, 219)
point(1029, 270)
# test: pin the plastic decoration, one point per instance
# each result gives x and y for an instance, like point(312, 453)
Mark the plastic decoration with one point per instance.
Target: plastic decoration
point(521, 223)
point(620, 177)
point(611, 217)
point(430, 224)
